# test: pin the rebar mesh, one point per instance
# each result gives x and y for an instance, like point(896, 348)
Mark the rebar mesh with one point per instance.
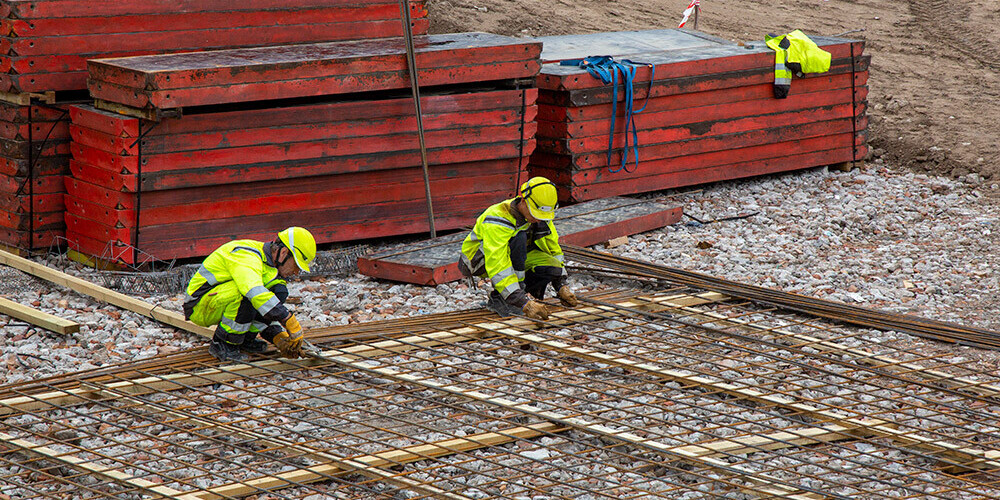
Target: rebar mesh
point(677, 394)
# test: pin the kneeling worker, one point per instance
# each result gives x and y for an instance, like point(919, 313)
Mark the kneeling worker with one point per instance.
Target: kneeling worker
point(515, 245)
point(240, 289)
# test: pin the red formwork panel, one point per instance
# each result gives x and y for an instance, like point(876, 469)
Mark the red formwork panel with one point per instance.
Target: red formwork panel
point(301, 168)
point(717, 173)
point(465, 125)
point(706, 115)
point(36, 9)
point(46, 45)
point(711, 104)
point(699, 160)
point(335, 191)
point(40, 27)
point(48, 238)
point(454, 103)
point(717, 58)
point(240, 75)
point(333, 224)
point(435, 261)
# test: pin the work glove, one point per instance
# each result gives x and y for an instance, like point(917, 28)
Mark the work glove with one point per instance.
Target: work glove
point(289, 342)
point(535, 310)
point(567, 297)
point(288, 346)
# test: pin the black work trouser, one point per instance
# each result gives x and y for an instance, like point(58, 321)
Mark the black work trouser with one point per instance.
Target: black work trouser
point(246, 314)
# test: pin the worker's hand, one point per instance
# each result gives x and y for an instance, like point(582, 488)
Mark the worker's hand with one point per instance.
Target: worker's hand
point(535, 310)
point(290, 347)
point(567, 297)
point(293, 326)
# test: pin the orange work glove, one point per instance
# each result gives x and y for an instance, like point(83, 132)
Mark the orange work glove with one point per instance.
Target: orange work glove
point(567, 297)
point(289, 343)
point(535, 310)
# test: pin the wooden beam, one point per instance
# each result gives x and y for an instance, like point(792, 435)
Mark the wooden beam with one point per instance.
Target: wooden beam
point(224, 373)
point(103, 294)
point(45, 320)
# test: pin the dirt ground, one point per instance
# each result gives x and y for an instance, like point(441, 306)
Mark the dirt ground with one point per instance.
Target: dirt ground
point(934, 98)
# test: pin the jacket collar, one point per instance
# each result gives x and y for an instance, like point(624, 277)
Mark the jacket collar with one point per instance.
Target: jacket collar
point(267, 254)
point(519, 219)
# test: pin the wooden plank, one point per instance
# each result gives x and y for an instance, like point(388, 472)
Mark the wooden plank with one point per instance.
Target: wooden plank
point(42, 319)
point(103, 294)
point(435, 261)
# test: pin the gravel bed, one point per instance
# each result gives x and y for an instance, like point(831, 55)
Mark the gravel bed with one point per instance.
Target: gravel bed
point(875, 237)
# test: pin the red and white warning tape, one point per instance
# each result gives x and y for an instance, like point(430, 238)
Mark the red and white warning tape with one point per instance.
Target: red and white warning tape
point(687, 12)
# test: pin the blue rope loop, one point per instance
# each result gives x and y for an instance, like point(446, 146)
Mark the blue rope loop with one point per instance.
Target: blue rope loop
point(606, 69)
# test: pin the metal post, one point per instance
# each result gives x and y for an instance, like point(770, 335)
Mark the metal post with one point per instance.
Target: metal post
point(411, 61)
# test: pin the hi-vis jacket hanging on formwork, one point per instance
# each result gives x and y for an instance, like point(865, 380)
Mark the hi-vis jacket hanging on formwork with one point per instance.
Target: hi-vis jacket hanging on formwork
point(795, 53)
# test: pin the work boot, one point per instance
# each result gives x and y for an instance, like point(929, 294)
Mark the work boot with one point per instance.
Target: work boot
point(252, 344)
point(224, 351)
point(500, 306)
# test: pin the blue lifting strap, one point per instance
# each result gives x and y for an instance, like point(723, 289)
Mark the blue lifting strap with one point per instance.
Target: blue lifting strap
point(606, 69)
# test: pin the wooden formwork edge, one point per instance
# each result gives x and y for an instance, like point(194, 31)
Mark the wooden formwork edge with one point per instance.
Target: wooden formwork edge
point(151, 114)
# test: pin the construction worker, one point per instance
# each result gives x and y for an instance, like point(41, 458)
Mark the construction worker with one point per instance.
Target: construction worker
point(515, 245)
point(240, 289)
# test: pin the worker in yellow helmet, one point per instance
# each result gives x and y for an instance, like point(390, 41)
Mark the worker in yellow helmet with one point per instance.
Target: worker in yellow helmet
point(515, 245)
point(240, 289)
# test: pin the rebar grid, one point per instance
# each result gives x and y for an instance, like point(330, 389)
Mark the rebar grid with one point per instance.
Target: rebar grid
point(674, 395)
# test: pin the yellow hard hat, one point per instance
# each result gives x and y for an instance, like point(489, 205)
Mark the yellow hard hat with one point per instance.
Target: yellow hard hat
point(302, 245)
point(541, 197)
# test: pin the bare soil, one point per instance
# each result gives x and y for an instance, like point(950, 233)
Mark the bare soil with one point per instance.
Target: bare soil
point(934, 97)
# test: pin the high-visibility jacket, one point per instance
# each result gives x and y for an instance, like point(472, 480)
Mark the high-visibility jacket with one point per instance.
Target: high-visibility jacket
point(248, 264)
point(489, 239)
point(795, 53)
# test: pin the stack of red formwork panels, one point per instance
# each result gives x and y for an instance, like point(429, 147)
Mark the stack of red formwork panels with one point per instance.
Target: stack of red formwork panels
point(34, 157)
point(346, 166)
point(711, 114)
point(45, 46)
point(46, 43)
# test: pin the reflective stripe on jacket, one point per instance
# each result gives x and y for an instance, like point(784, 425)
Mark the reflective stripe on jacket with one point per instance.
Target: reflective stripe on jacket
point(248, 264)
point(795, 52)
